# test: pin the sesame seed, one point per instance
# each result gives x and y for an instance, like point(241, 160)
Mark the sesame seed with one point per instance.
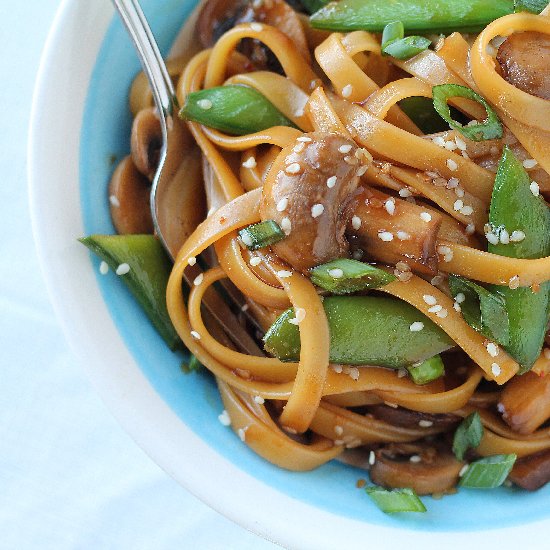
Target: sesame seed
point(460, 143)
point(282, 204)
point(299, 113)
point(437, 280)
point(440, 182)
point(259, 399)
point(195, 335)
point(361, 171)
point(286, 226)
point(425, 423)
point(293, 168)
point(401, 373)
point(104, 268)
point(429, 299)
point(344, 149)
point(504, 236)
point(244, 307)
point(472, 123)
point(417, 326)
point(491, 237)
point(336, 273)
point(198, 279)
point(450, 145)
point(404, 193)
point(403, 236)
point(459, 192)
point(224, 418)
point(305, 139)
point(426, 217)
point(385, 236)
point(317, 210)
point(331, 182)
point(452, 165)
point(338, 430)
point(433, 175)
point(517, 236)
point(284, 274)
point(463, 470)
point(256, 27)
point(246, 239)
point(465, 155)
point(435, 309)
point(442, 314)
point(300, 314)
point(443, 249)
point(353, 373)
point(439, 141)
point(204, 104)
point(453, 183)
point(250, 162)
point(113, 199)
point(122, 269)
point(337, 368)
point(256, 260)
point(241, 433)
point(467, 210)
point(460, 297)
point(192, 260)
point(356, 222)
point(403, 266)
point(404, 277)
point(415, 459)
point(529, 163)
point(347, 90)
point(534, 187)
point(470, 229)
point(299, 148)
point(390, 206)
point(513, 283)
point(458, 204)
point(495, 369)
point(457, 307)
point(372, 458)
point(492, 349)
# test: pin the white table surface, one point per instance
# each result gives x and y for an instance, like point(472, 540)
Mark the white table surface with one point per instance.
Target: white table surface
point(69, 476)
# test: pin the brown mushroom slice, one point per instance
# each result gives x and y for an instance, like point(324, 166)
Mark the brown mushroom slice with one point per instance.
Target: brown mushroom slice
point(525, 402)
point(129, 194)
point(392, 233)
point(523, 59)
point(306, 192)
point(146, 141)
point(422, 467)
point(531, 472)
point(412, 419)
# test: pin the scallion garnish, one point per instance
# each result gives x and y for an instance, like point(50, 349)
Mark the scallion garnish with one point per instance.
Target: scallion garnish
point(482, 310)
point(489, 472)
point(396, 500)
point(533, 6)
point(345, 276)
point(490, 128)
point(427, 371)
point(468, 435)
point(260, 235)
point(395, 45)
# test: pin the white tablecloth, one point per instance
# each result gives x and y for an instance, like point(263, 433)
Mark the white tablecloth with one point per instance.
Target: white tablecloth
point(69, 476)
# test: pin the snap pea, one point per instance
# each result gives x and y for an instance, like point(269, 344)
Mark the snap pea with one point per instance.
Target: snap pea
point(533, 6)
point(146, 274)
point(433, 16)
point(429, 370)
point(517, 207)
point(233, 109)
point(365, 330)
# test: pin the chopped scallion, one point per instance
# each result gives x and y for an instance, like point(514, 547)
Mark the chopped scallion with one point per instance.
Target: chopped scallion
point(260, 235)
point(427, 371)
point(396, 500)
point(490, 128)
point(467, 435)
point(405, 48)
point(345, 276)
point(489, 472)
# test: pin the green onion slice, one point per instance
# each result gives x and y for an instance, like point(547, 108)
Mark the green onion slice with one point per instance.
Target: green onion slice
point(482, 310)
point(533, 6)
point(396, 500)
point(468, 435)
point(490, 128)
point(392, 31)
point(429, 370)
point(345, 276)
point(405, 48)
point(489, 472)
point(260, 235)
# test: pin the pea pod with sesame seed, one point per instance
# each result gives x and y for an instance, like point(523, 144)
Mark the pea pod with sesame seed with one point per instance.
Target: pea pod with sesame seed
point(521, 219)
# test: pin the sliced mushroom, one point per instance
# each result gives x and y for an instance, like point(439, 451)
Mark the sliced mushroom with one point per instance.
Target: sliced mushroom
point(129, 192)
point(412, 419)
point(523, 59)
point(306, 192)
point(392, 230)
point(525, 402)
point(425, 468)
point(146, 142)
point(531, 472)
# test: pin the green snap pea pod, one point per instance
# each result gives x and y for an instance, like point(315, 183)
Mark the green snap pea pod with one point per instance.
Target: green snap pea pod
point(520, 218)
point(312, 6)
point(418, 16)
point(365, 330)
point(233, 109)
point(429, 370)
point(533, 6)
point(144, 267)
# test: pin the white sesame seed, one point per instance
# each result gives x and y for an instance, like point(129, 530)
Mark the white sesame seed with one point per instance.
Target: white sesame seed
point(372, 458)
point(122, 269)
point(344, 149)
point(256, 27)
point(385, 236)
point(293, 168)
point(529, 163)
point(465, 155)
point(300, 314)
point(415, 459)
point(198, 279)
point(425, 423)
point(452, 165)
point(224, 418)
point(517, 236)
point(492, 349)
point(453, 183)
point(433, 175)
point(534, 187)
point(491, 237)
point(286, 226)
point(241, 433)
point(403, 266)
point(113, 199)
point(435, 309)
point(282, 204)
point(192, 260)
point(442, 314)
point(417, 326)
point(450, 145)
point(404, 193)
point(504, 236)
point(244, 307)
point(347, 90)
point(299, 148)
point(337, 368)
point(458, 204)
point(429, 299)
point(305, 139)
point(361, 171)
point(331, 182)
point(403, 236)
point(448, 257)
point(495, 369)
point(460, 143)
point(246, 239)
point(443, 249)
point(299, 113)
point(459, 192)
point(460, 297)
point(426, 217)
point(463, 470)
point(195, 335)
point(204, 104)
point(104, 268)
point(353, 373)
point(467, 210)
point(473, 123)
point(338, 430)
point(401, 373)
point(259, 399)
point(317, 210)
point(437, 280)
point(336, 273)
point(356, 222)
point(439, 141)
point(457, 307)
point(513, 283)
point(250, 162)
point(284, 274)
point(470, 229)
point(255, 260)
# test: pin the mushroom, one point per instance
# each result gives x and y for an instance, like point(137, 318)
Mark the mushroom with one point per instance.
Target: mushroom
point(425, 468)
point(129, 192)
point(412, 419)
point(306, 192)
point(146, 141)
point(531, 472)
point(525, 402)
point(523, 60)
